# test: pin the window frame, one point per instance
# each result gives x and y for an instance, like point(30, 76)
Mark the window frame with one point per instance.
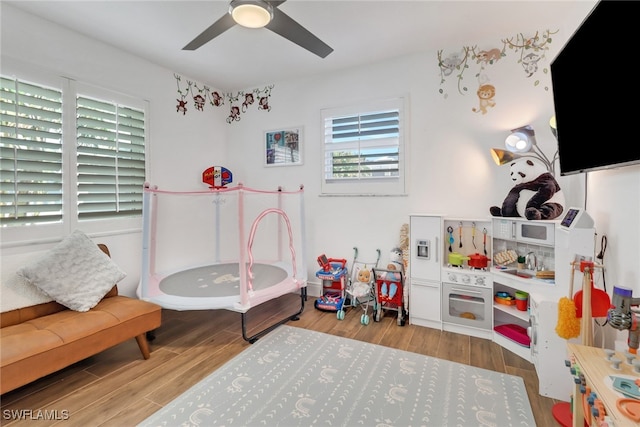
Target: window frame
point(51, 232)
point(369, 186)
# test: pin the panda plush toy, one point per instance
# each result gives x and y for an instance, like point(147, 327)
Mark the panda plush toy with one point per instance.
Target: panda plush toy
point(535, 195)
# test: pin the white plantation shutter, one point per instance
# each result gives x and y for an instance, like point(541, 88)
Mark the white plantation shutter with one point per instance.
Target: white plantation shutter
point(69, 152)
point(364, 149)
point(31, 182)
point(110, 159)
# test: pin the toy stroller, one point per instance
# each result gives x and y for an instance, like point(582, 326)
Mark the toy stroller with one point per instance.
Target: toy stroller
point(360, 288)
point(333, 273)
point(389, 289)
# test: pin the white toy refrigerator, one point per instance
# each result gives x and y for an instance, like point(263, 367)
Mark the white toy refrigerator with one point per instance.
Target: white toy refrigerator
point(425, 247)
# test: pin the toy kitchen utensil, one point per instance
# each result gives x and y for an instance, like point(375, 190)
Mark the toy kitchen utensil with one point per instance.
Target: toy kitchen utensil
point(484, 240)
point(478, 261)
point(460, 232)
point(450, 231)
point(457, 259)
point(473, 234)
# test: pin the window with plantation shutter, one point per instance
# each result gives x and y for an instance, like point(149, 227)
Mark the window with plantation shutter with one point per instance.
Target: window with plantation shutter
point(72, 156)
point(31, 183)
point(364, 149)
point(110, 159)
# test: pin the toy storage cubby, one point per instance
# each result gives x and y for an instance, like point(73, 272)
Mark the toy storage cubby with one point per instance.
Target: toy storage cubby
point(510, 324)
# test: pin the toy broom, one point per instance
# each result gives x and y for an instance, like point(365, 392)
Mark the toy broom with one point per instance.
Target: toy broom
point(568, 323)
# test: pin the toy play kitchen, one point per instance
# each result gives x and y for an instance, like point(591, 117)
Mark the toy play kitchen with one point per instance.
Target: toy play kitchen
point(464, 263)
point(467, 291)
point(450, 284)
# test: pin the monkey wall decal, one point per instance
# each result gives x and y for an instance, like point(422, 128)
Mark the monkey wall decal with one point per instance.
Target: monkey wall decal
point(182, 106)
point(263, 104)
point(199, 101)
point(486, 92)
point(248, 100)
point(240, 102)
point(234, 114)
point(217, 99)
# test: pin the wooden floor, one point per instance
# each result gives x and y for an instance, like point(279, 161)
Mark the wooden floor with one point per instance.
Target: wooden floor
point(119, 388)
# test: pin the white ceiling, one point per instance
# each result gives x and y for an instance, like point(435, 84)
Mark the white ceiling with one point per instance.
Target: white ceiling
point(359, 31)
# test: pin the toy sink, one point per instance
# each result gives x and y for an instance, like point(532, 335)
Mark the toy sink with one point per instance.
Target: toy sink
point(527, 274)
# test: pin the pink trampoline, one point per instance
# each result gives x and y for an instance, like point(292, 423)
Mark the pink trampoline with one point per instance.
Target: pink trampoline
point(199, 269)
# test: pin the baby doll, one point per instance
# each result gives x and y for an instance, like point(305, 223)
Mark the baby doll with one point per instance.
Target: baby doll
point(395, 264)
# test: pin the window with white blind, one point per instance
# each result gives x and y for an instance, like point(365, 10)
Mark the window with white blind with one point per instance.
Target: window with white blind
point(30, 153)
point(110, 159)
point(364, 149)
point(63, 164)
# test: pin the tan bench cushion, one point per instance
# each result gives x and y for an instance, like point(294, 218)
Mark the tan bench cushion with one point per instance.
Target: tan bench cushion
point(43, 345)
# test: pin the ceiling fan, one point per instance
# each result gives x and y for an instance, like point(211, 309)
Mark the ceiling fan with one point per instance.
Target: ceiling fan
point(262, 13)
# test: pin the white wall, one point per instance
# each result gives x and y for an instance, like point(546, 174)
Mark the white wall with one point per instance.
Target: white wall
point(450, 170)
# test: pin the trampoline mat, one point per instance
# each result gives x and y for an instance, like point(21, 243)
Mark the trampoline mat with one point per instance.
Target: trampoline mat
point(219, 280)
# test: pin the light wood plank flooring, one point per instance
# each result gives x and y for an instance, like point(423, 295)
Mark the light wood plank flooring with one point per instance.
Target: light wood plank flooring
point(119, 388)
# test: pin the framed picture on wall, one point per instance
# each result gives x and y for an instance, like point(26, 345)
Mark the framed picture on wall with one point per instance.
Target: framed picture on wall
point(283, 147)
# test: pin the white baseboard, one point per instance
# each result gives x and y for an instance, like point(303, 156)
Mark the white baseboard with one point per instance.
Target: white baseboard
point(314, 289)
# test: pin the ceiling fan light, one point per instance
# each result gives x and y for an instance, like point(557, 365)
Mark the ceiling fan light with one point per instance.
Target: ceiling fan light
point(251, 14)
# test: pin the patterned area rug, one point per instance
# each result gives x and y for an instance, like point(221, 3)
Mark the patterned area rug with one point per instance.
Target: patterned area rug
point(297, 377)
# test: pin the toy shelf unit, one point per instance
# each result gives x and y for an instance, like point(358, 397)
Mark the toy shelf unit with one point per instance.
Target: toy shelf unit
point(510, 324)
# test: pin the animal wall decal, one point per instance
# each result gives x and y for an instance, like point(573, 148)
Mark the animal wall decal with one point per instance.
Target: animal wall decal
point(239, 103)
point(531, 52)
point(486, 93)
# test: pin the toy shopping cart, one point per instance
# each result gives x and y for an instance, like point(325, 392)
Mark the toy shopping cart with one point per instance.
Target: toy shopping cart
point(360, 287)
point(333, 273)
point(389, 288)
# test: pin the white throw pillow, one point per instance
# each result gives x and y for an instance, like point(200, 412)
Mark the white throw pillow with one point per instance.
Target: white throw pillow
point(75, 273)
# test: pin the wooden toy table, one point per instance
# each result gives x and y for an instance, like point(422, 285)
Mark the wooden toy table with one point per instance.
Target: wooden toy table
point(594, 368)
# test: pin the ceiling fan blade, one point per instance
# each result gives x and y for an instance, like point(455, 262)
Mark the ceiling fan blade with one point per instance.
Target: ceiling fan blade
point(217, 28)
point(285, 26)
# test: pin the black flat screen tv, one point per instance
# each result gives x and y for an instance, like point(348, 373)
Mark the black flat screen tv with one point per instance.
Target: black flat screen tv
point(596, 92)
